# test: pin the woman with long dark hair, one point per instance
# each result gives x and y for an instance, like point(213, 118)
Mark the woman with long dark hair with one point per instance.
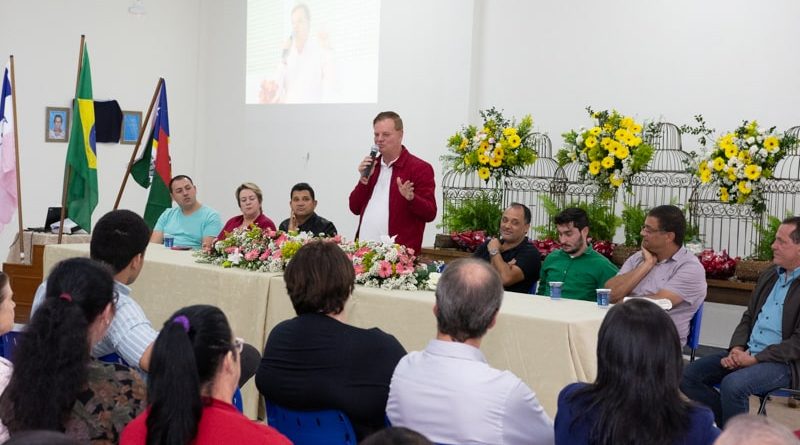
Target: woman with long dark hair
point(635, 398)
point(56, 385)
point(6, 324)
point(194, 372)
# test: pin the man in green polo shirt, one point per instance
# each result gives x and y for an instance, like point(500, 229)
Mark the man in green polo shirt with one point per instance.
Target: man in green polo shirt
point(576, 264)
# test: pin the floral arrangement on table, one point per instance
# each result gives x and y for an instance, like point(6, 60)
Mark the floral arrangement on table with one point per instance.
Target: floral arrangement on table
point(740, 161)
point(500, 147)
point(610, 152)
point(718, 265)
point(382, 264)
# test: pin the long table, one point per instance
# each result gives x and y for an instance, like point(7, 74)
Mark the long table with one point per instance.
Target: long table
point(548, 344)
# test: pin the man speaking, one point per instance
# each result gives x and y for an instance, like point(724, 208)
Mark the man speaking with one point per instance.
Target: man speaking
point(395, 193)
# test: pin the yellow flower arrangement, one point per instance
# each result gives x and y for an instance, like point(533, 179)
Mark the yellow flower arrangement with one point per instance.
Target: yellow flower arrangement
point(610, 152)
point(741, 161)
point(498, 148)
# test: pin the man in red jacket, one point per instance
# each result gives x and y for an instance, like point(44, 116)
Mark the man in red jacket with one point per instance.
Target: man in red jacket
point(395, 196)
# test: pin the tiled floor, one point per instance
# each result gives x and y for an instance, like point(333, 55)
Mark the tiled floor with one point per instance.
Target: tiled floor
point(779, 411)
point(777, 408)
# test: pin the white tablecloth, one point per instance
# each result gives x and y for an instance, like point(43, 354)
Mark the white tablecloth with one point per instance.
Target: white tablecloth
point(548, 344)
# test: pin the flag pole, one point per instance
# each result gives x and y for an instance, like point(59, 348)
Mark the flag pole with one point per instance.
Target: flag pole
point(67, 168)
point(16, 156)
point(138, 142)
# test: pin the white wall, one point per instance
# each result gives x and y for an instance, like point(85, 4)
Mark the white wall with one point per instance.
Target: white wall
point(127, 55)
point(424, 70)
point(669, 59)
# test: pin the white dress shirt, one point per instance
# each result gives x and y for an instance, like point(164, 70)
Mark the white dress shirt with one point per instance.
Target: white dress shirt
point(375, 222)
point(451, 395)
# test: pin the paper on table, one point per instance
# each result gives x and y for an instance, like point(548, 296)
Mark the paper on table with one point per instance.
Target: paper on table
point(662, 302)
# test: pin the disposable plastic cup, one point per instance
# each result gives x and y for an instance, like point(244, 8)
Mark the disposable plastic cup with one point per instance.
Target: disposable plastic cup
point(603, 296)
point(555, 290)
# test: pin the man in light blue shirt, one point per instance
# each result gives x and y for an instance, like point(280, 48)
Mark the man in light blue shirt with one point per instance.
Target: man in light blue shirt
point(119, 240)
point(482, 404)
point(764, 352)
point(191, 223)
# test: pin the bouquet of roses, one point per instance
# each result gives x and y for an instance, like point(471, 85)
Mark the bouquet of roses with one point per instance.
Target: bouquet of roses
point(609, 152)
point(741, 161)
point(469, 240)
point(545, 246)
point(498, 148)
point(718, 265)
point(605, 248)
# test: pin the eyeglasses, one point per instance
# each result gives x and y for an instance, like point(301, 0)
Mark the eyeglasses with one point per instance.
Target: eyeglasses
point(238, 343)
point(650, 230)
point(115, 298)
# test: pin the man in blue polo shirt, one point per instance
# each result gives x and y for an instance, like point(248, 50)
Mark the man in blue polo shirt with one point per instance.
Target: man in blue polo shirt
point(191, 223)
point(764, 351)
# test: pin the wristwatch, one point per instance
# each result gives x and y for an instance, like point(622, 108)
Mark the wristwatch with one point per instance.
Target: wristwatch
point(493, 252)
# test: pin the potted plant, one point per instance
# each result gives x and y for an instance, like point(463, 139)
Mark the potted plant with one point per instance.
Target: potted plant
point(473, 219)
point(603, 221)
point(633, 217)
point(749, 269)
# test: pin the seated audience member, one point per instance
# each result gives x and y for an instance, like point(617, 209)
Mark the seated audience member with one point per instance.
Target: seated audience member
point(764, 350)
point(303, 218)
point(663, 268)
point(448, 392)
point(7, 306)
point(396, 435)
point(195, 372)
point(56, 385)
point(512, 255)
point(119, 240)
point(316, 360)
point(191, 224)
point(249, 198)
point(635, 398)
point(749, 429)
point(576, 264)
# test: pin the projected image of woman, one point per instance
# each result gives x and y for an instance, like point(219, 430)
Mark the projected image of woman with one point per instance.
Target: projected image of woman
point(305, 73)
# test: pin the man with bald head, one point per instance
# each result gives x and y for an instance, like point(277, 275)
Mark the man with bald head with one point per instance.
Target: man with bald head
point(445, 391)
point(749, 429)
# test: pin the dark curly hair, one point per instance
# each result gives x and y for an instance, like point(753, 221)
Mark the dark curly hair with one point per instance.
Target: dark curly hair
point(50, 367)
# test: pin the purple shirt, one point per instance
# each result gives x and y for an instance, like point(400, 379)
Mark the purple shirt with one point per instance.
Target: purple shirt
point(681, 274)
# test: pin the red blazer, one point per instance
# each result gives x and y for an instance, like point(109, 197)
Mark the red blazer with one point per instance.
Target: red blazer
point(406, 218)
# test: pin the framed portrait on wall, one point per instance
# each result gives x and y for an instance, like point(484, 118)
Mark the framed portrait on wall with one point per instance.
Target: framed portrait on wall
point(131, 123)
point(56, 124)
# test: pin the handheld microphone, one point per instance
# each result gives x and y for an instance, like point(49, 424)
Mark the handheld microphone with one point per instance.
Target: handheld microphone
point(373, 153)
point(286, 48)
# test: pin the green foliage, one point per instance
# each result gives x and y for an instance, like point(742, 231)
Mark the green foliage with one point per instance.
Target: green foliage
point(633, 217)
point(603, 223)
point(702, 132)
point(766, 236)
point(483, 212)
